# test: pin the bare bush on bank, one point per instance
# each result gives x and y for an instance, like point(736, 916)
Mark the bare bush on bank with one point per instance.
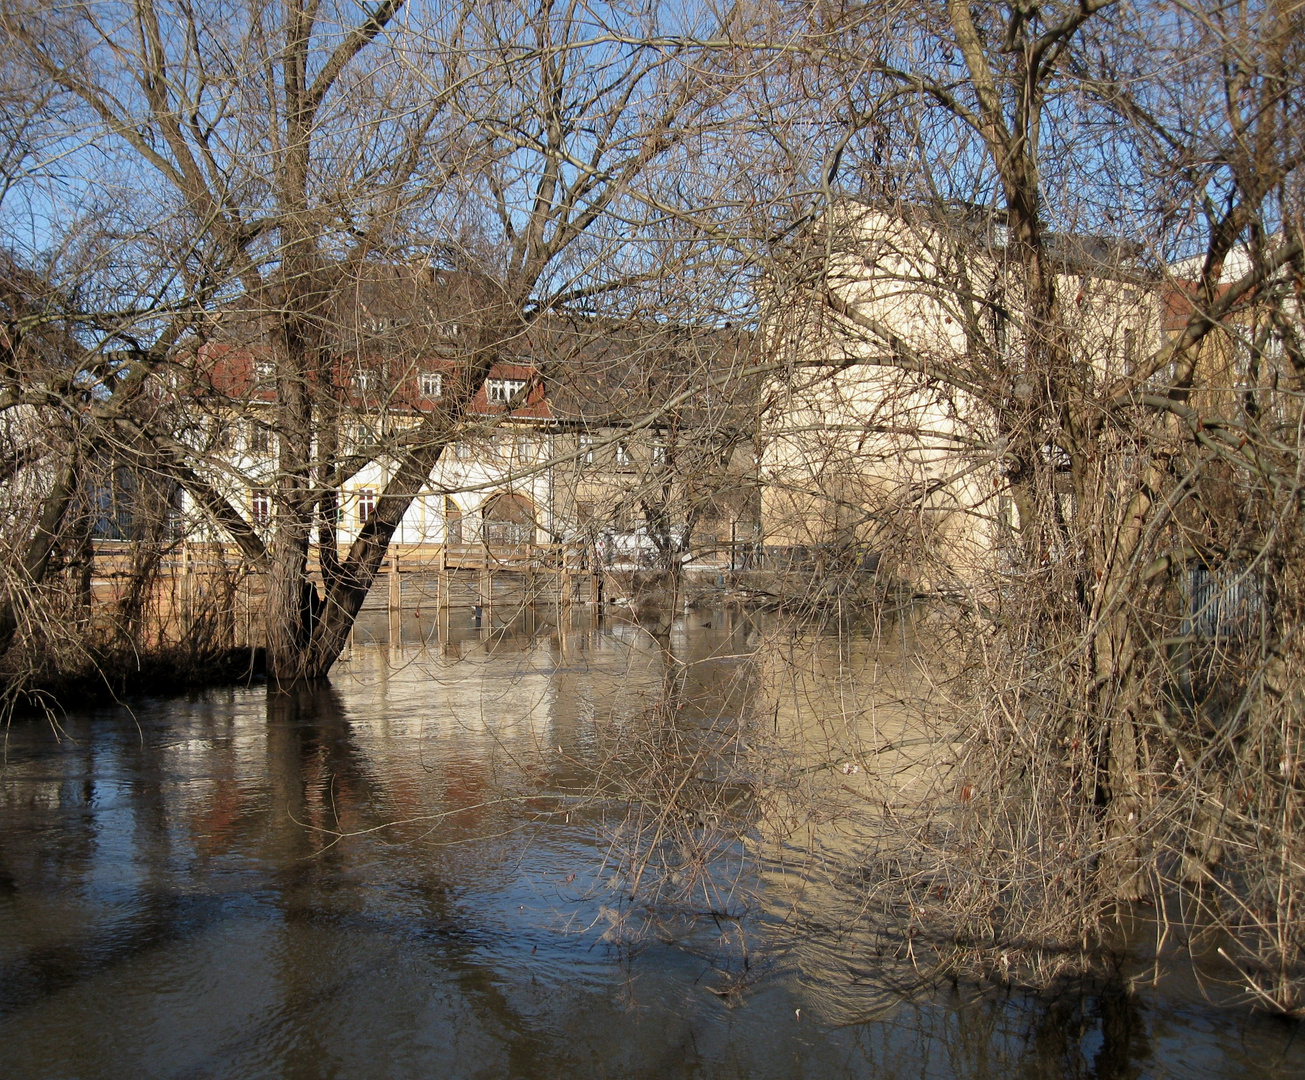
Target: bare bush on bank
point(1061, 301)
point(69, 456)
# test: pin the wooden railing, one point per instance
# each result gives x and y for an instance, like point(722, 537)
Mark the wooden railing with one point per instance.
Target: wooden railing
point(212, 588)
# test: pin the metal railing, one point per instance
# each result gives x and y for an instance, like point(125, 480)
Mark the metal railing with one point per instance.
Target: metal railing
point(1222, 602)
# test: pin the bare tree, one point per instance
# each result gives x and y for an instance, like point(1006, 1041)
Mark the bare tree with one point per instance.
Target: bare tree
point(278, 152)
point(1065, 237)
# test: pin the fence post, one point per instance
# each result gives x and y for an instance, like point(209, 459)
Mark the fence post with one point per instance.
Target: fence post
point(187, 589)
point(396, 595)
point(395, 599)
point(564, 592)
point(487, 591)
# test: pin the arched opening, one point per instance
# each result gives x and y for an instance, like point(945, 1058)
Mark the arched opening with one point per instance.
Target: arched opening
point(509, 520)
point(452, 521)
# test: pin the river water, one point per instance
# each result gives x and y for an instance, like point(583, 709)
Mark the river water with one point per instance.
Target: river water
point(426, 870)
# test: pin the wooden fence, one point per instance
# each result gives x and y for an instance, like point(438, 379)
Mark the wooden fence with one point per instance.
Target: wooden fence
point(211, 591)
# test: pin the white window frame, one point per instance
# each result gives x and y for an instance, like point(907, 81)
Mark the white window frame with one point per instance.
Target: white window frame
point(501, 391)
point(432, 385)
point(366, 505)
point(260, 506)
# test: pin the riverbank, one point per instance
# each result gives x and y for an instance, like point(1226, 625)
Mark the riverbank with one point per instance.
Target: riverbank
point(114, 677)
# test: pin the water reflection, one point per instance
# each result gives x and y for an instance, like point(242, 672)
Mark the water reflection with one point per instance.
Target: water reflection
point(407, 873)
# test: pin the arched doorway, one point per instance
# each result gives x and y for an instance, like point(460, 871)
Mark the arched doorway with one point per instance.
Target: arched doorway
point(509, 520)
point(452, 521)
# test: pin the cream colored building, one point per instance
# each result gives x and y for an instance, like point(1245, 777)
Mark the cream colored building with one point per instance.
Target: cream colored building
point(879, 442)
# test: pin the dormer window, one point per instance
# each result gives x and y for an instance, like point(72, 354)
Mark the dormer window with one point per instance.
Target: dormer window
point(432, 385)
point(362, 381)
point(264, 370)
point(501, 391)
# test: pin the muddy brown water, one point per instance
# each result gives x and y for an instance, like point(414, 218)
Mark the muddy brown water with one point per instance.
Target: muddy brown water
point(365, 881)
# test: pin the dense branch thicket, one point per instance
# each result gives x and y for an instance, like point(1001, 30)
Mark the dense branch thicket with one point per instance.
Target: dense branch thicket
point(1057, 302)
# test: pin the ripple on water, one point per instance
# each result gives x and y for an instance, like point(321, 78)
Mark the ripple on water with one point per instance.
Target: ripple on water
point(364, 881)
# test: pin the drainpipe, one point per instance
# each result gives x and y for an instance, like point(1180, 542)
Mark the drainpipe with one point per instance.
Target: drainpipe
point(549, 446)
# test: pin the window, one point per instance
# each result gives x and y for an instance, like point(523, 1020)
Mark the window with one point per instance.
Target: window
point(366, 505)
point(363, 436)
point(462, 450)
point(587, 449)
point(501, 391)
point(508, 520)
point(659, 454)
point(264, 371)
point(260, 438)
point(432, 384)
point(452, 521)
point(176, 513)
point(622, 453)
point(362, 381)
point(261, 505)
point(524, 448)
point(998, 319)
